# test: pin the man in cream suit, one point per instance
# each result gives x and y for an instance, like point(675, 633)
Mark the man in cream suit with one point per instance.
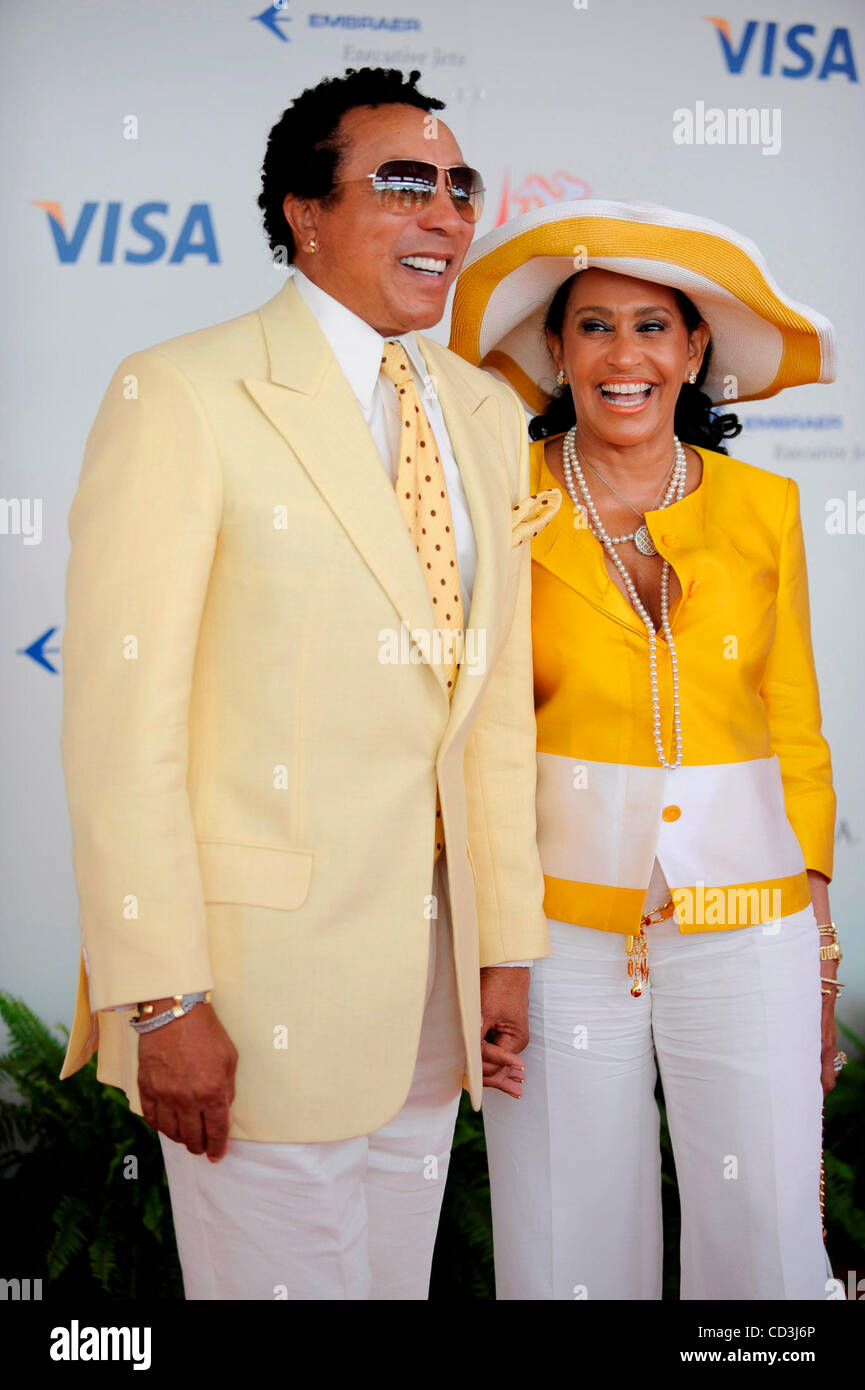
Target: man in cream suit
point(282, 790)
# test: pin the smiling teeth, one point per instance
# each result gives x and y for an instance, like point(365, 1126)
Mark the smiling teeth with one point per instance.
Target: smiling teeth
point(424, 263)
point(625, 388)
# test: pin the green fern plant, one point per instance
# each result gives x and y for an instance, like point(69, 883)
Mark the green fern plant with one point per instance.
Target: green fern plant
point(85, 1199)
point(463, 1261)
point(844, 1159)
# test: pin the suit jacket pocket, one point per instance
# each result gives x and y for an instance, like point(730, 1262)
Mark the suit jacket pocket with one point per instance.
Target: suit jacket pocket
point(243, 871)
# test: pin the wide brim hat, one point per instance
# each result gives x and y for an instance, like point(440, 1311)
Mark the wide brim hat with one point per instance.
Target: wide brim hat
point(762, 341)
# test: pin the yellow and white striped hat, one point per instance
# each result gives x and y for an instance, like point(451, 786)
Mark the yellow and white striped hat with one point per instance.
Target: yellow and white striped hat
point(762, 341)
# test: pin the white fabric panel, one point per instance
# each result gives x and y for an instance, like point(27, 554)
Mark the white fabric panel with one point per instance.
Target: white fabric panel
point(580, 832)
point(733, 827)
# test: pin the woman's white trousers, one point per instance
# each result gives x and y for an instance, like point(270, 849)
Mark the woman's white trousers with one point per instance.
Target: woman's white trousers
point(733, 1018)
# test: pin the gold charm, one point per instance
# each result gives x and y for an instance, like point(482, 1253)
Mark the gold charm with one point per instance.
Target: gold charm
point(637, 947)
point(638, 962)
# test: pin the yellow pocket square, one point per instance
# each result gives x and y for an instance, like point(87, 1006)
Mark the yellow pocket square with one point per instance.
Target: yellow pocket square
point(529, 517)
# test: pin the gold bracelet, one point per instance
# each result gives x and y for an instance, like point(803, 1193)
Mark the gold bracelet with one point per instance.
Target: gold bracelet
point(827, 980)
point(145, 1010)
point(832, 952)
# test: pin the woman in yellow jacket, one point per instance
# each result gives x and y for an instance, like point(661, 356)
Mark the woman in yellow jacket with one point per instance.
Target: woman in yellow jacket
point(684, 800)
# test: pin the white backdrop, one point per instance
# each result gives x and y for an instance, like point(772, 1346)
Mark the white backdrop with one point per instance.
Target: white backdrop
point(550, 100)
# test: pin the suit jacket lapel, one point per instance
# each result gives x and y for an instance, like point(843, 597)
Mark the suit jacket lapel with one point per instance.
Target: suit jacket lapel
point(312, 405)
point(472, 419)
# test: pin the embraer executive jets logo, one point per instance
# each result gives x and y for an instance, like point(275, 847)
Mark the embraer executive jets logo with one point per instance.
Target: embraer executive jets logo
point(274, 18)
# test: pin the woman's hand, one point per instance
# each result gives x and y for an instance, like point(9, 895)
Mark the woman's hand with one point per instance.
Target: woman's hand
point(829, 969)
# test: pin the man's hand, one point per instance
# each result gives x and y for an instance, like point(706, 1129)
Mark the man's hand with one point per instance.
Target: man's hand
point(186, 1079)
point(504, 1027)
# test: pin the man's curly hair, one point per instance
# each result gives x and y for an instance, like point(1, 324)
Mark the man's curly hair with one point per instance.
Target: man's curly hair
point(303, 148)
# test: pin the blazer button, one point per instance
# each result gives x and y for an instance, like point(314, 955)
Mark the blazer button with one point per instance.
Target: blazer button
point(693, 587)
point(671, 812)
point(672, 541)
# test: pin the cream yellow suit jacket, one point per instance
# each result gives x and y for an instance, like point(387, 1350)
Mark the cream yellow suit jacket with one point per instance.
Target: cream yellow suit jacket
point(252, 788)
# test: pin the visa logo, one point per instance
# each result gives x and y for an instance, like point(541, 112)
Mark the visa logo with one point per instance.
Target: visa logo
point(195, 238)
point(799, 42)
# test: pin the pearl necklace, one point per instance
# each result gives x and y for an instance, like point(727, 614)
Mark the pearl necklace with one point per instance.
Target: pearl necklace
point(641, 536)
point(572, 467)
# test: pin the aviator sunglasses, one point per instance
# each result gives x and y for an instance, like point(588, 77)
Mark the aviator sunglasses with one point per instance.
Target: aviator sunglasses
point(408, 185)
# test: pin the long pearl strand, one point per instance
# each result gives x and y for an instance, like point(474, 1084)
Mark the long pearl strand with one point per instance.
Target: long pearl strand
point(641, 538)
point(571, 468)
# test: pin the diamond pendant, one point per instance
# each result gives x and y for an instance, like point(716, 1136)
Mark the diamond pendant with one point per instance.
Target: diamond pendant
point(643, 541)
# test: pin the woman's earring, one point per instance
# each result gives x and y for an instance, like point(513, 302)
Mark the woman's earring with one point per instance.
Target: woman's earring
point(311, 245)
point(561, 378)
point(692, 378)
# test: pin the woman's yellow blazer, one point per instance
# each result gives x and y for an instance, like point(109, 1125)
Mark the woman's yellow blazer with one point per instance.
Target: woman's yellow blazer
point(752, 806)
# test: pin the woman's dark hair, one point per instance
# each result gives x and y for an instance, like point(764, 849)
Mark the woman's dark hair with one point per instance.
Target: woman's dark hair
point(695, 421)
point(303, 148)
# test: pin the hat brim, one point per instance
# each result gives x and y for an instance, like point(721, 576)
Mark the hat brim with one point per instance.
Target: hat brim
point(762, 341)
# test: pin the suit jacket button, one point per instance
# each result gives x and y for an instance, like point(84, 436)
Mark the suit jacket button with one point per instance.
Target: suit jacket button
point(671, 812)
point(672, 541)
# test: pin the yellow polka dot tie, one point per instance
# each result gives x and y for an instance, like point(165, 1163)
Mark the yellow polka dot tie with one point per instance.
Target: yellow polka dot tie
point(423, 497)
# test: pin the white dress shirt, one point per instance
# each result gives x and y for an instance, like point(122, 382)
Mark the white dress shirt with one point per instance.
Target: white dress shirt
point(357, 348)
